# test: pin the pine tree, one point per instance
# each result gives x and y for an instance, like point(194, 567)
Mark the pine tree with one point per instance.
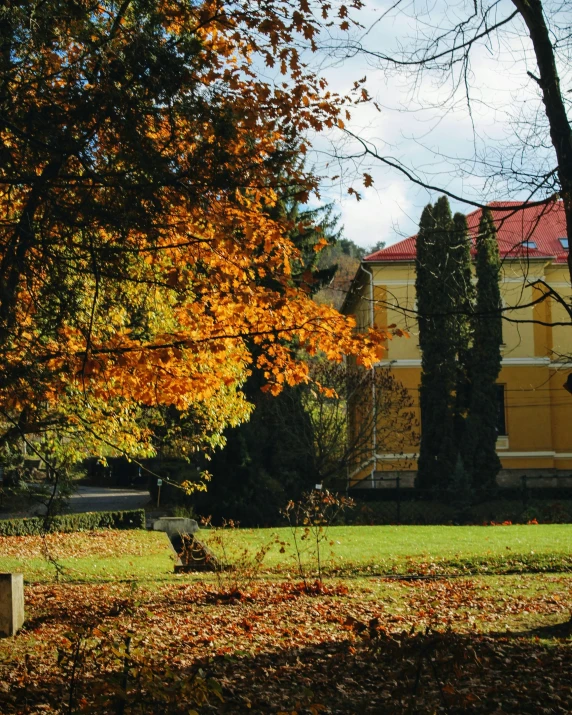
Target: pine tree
point(269, 459)
point(480, 456)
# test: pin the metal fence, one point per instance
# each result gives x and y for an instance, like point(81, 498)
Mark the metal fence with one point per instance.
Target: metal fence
point(391, 500)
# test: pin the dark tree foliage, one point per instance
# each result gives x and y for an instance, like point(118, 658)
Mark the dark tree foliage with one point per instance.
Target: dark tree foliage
point(480, 455)
point(270, 459)
point(443, 286)
point(465, 297)
point(351, 249)
point(437, 343)
point(345, 255)
point(460, 334)
point(309, 227)
point(341, 246)
point(262, 465)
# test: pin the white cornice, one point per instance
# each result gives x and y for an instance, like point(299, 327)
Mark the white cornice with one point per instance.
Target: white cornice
point(506, 362)
point(394, 283)
point(526, 361)
point(503, 454)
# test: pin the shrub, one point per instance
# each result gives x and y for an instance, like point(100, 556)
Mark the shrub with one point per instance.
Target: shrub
point(313, 514)
point(134, 519)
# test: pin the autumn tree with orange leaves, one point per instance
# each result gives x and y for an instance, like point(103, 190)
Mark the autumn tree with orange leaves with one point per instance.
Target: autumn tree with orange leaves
point(141, 155)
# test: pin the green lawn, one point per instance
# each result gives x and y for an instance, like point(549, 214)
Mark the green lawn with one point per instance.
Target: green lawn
point(95, 556)
point(356, 550)
point(413, 549)
point(273, 646)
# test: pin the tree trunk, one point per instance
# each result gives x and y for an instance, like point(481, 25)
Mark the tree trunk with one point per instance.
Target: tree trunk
point(12, 265)
point(549, 82)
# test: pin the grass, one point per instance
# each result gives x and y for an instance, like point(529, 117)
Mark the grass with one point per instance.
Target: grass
point(94, 556)
point(275, 648)
point(356, 550)
point(417, 549)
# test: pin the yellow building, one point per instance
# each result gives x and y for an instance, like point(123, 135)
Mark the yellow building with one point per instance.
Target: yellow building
point(535, 411)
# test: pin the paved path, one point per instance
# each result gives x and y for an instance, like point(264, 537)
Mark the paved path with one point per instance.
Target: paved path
point(104, 499)
point(95, 499)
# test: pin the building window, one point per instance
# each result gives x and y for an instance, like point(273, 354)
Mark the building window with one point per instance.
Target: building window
point(564, 242)
point(529, 244)
point(501, 410)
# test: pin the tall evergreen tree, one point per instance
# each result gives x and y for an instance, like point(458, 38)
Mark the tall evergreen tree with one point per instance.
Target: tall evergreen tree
point(437, 343)
point(480, 455)
point(269, 459)
point(444, 294)
point(464, 297)
point(264, 462)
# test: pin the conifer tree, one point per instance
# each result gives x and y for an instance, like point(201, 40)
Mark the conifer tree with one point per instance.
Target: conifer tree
point(460, 355)
point(429, 395)
point(480, 456)
point(444, 296)
point(464, 297)
point(268, 460)
point(138, 260)
point(437, 341)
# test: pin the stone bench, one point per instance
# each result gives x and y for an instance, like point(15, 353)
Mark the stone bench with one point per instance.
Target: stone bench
point(192, 554)
point(11, 603)
point(175, 525)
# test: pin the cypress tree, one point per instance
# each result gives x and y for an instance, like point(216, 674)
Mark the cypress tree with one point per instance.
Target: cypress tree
point(444, 299)
point(480, 458)
point(464, 297)
point(438, 341)
point(430, 396)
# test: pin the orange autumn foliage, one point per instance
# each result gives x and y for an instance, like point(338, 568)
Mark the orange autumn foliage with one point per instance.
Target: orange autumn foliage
point(142, 151)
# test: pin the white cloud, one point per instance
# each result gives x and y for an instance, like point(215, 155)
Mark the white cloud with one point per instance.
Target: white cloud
point(439, 145)
point(377, 216)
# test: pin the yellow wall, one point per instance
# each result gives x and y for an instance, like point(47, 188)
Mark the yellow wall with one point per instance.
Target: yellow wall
point(528, 408)
point(558, 277)
point(394, 291)
point(538, 409)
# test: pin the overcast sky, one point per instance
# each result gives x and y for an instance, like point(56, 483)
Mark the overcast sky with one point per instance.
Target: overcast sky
point(413, 129)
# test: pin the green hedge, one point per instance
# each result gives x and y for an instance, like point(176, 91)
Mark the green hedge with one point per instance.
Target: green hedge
point(134, 519)
point(544, 511)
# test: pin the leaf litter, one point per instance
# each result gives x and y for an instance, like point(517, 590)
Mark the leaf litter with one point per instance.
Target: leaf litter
point(362, 646)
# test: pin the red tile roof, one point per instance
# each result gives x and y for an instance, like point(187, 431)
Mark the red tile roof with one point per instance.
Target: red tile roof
point(542, 225)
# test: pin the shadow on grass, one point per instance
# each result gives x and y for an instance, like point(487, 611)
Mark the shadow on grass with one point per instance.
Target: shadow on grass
point(556, 631)
point(376, 671)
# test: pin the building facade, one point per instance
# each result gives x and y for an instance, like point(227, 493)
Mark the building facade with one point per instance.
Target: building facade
point(535, 411)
